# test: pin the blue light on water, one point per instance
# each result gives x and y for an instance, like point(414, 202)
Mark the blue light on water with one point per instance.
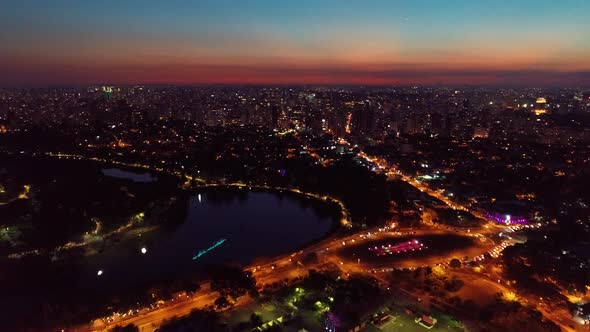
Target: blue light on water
point(204, 251)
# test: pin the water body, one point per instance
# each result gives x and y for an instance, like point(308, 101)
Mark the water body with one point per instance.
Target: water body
point(253, 224)
point(133, 176)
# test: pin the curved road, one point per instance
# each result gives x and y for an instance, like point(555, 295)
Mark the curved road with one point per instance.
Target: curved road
point(290, 266)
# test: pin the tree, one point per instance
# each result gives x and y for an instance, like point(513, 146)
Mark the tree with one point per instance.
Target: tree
point(310, 258)
point(454, 284)
point(512, 316)
point(221, 302)
point(126, 328)
point(253, 292)
point(469, 304)
point(196, 321)
point(455, 300)
point(316, 281)
point(192, 286)
point(420, 275)
point(232, 281)
point(255, 319)
point(455, 263)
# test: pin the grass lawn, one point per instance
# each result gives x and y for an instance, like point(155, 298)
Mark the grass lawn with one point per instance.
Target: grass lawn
point(405, 323)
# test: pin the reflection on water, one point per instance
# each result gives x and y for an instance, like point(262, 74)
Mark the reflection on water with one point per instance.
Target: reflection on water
point(137, 177)
point(252, 224)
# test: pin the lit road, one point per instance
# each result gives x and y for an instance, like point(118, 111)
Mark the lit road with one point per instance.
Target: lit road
point(556, 314)
point(289, 266)
point(23, 195)
point(149, 320)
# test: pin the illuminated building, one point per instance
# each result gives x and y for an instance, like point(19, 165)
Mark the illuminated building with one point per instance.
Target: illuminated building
point(332, 322)
point(108, 90)
point(348, 125)
point(540, 106)
point(296, 116)
point(481, 132)
point(363, 118)
point(275, 113)
point(507, 219)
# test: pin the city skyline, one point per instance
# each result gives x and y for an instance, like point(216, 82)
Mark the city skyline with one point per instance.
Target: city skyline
point(264, 165)
point(532, 43)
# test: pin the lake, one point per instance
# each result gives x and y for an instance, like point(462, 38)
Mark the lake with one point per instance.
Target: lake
point(133, 176)
point(253, 224)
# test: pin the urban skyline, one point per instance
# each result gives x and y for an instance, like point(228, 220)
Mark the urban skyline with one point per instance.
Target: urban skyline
point(246, 166)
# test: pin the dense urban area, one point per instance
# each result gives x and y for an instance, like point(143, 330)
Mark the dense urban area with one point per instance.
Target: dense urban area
point(448, 208)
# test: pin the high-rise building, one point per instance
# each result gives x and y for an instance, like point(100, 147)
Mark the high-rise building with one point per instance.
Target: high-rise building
point(466, 105)
point(414, 125)
point(108, 91)
point(540, 106)
point(296, 116)
point(275, 113)
point(363, 119)
point(313, 120)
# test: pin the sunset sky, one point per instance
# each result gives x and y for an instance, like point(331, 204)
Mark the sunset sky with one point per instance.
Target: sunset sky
point(520, 42)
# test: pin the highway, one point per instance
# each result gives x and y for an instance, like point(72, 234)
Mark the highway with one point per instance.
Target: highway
point(276, 270)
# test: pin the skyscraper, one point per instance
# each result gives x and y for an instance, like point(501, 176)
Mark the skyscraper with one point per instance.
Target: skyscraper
point(363, 118)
